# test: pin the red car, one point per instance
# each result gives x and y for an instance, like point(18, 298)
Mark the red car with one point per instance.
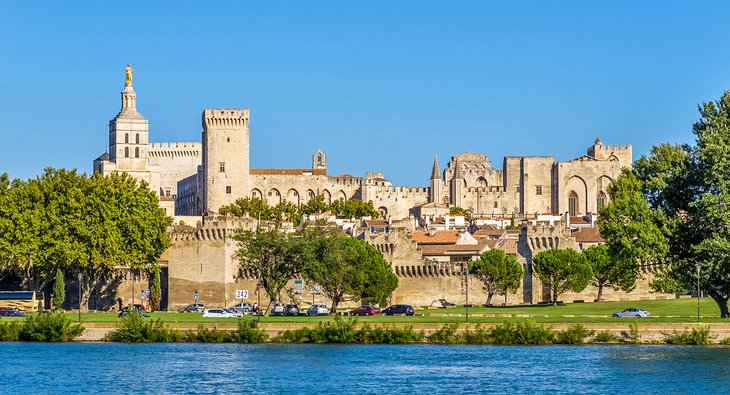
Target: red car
point(365, 310)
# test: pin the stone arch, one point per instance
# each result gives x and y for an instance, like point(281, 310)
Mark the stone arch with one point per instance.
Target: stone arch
point(578, 194)
point(602, 184)
point(293, 196)
point(383, 211)
point(126, 152)
point(481, 182)
point(256, 193)
point(136, 138)
point(273, 197)
point(327, 196)
point(341, 195)
point(601, 200)
point(310, 194)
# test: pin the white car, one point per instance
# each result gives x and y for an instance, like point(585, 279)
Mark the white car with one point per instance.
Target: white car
point(223, 313)
point(318, 309)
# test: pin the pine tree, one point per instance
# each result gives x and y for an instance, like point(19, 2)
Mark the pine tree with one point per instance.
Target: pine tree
point(59, 290)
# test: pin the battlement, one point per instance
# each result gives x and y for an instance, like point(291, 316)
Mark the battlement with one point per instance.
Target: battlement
point(225, 117)
point(176, 146)
point(614, 147)
point(402, 190)
point(219, 228)
point(488, 190)
point(174, 150)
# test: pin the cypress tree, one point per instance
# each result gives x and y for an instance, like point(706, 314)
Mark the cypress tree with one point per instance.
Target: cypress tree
point(59, 290)
point(155, 290)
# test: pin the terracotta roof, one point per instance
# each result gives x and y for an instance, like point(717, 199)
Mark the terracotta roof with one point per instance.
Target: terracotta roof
point(375, 222)
point(439, 236)
point(441, 249)
point(287, 172)
point(578, 220)
point(509, 247)
point(588, 235)
point(488, 231)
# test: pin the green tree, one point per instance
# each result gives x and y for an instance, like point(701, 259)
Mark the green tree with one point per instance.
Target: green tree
point(692, 185)
point(353, 208)
point(247, 206)
point(155, 289)
point(59, 291)
point(562, 270)
point(460, 210)
point(635, 235)
point(271, 256)
point(346, 267)
point(499, 273)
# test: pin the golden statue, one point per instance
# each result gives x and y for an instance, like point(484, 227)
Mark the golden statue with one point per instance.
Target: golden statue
point(128, 72)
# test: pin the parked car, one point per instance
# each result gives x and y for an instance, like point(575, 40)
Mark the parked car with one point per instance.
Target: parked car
point(291, 309)
point(278, 309)
point(442, 304)
point(10, 312)
point(133, 309)
point(195, 307)
point(241, 308)
point(365, 310)
point(318, 309)
point(222, 313)
point(632, 312)
point(399, 309)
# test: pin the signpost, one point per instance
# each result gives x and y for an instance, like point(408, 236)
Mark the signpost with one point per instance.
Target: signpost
point(241, 294)
point(298, 287)
point(195, 298)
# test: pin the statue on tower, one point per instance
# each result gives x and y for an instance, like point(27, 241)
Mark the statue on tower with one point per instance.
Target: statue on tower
point(128, 72)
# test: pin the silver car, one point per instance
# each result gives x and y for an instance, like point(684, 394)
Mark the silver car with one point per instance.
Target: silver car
point(318, 309)
point(632, 312)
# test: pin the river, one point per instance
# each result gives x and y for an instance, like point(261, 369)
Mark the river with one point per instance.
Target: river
point(177, 368)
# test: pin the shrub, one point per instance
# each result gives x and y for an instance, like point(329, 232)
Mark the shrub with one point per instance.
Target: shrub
point(696, 336)
point(247, 333)
point(527, 332)
point(446, 335)
point(133, 328)
point(344, 331)
point(10, 331)
point(634, 335)
point(385, 335)
point(203, 335)
point(606, 336)
point(47, 327)
point(477, 336)
point(575, 334)
point(725, 341)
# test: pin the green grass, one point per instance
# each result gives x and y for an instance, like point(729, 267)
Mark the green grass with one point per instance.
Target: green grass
point(581, 312)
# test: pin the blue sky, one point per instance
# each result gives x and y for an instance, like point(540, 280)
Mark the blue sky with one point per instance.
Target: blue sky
point(378, 85)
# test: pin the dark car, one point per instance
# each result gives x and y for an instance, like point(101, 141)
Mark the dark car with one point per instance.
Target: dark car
point(291, 309)
point(399, 309)
point(365, 310)
point(195, 307)
point(10, 312)
point(134, 309)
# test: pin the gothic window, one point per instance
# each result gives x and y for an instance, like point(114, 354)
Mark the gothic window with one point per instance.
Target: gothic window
point(222, 167)
point(573, 203)
point(228, 189)
point(126, 138)
point(136, 152)
point(126, 152)
point(136, 138)
point(601, 200)
point(538, 190)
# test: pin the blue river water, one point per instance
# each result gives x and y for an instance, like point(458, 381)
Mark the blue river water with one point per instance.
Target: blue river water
point(180, 368)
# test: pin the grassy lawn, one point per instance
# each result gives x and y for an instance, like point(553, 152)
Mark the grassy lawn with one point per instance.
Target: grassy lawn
point(686, 309)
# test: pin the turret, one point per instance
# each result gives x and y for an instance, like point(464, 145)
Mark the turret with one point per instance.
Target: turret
point(437, 183)
point(457, 185)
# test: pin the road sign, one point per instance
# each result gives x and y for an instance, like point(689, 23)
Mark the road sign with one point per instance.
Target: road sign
point(298, 287)
point(195, 296)
point(141, 296)
point(316, 289)
point(147, 292)
point(241, 294)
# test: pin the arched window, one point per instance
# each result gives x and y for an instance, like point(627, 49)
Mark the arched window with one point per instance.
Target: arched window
point(136, 138)
point(136, 152)
point(126, 138)
point(601, 200)
point(126, 152)
point(573, 203)
point(319, 159)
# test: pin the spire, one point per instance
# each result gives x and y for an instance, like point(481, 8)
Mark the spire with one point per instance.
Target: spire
point(435, 171)
point(457, 171)
point(599, 141)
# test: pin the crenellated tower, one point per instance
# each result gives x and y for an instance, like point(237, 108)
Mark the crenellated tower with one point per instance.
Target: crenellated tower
point(225, 156)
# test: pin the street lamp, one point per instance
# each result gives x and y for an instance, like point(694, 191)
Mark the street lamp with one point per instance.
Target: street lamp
point(80, 276)
point(697, 266)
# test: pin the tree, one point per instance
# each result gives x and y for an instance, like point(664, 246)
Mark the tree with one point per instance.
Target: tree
point(353, 208)
point(635, 235)
point(691, 184)
point(499, 273)
point(562, 270)
point(345, 267)
point(155, 289)
point(271, 256)
point(59, 291)
point(461, 211)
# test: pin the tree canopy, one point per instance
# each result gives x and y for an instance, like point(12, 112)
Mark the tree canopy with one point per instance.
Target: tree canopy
point(287, 211)
point(562, 270)
point(499, 273)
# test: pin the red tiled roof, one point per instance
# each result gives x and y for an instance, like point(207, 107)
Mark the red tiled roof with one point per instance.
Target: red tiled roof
point(441, 249)
point(375, 222)
point(439, 236)
point(578, 220)
point(588, 235)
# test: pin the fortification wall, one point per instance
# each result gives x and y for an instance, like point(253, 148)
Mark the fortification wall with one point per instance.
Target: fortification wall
point(298, 189)
point(177, 161)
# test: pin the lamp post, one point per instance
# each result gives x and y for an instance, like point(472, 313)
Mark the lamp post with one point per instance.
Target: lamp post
point(80, 276)
point(697, 266)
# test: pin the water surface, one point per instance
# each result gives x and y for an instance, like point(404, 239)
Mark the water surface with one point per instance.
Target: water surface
point(363, 369)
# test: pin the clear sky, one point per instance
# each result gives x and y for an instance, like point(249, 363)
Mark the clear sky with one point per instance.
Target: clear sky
point(377, 85)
